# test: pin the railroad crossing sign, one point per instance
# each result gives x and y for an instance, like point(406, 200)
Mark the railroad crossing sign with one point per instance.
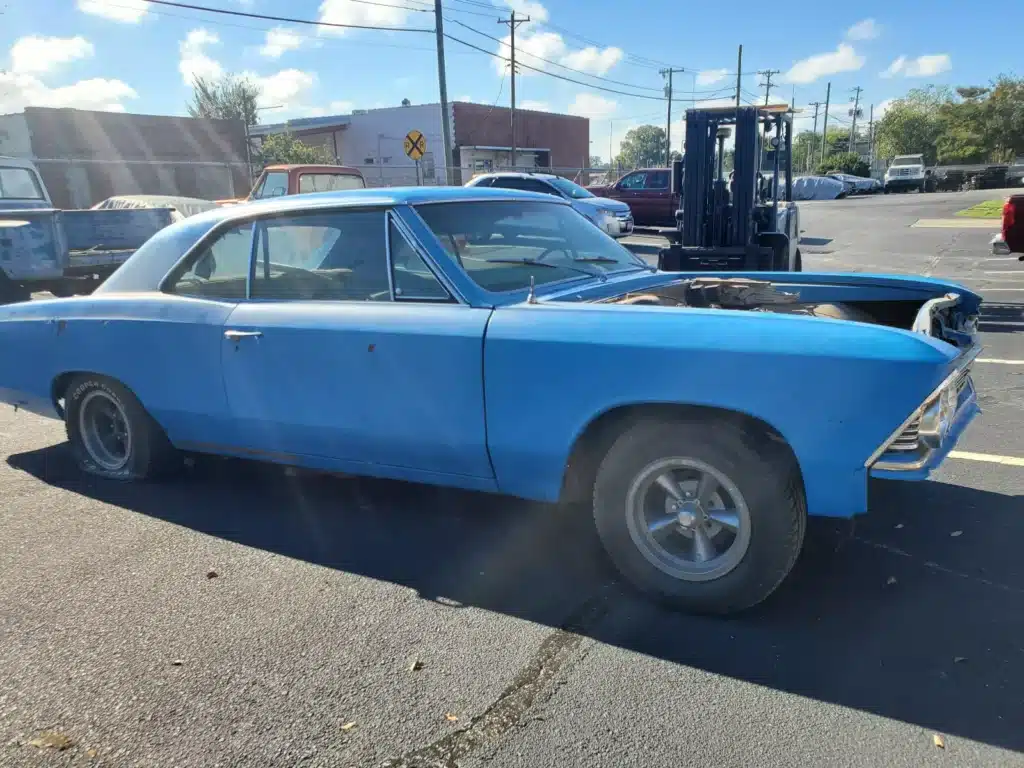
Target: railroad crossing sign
point(415, 144)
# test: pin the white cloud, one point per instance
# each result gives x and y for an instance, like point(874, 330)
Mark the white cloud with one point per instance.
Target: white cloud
point(533, 49)
point(36, 55)
point(868, 29)
point(347, 12)
point(18, 91)
point(593, 106)
point(882, 108)
point(195, 62)
point(287, 88)
point(536, 11)
point(593, 60)
point(922, 66)
point(537, 106)
point(124, 11)
point(711, 76)
point(843, 59)
point(280, 40)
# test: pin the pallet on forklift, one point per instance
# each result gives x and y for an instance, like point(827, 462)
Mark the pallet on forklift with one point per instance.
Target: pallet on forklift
point(748, 221)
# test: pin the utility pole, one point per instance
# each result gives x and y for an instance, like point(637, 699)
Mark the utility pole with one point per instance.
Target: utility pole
point(668, 120)
point(767, 74)
point(739, 74)
point(513, 22)
point(824, 127)
point(853, 126)
point(810, 149)
point(442, 82)
point(871, 138)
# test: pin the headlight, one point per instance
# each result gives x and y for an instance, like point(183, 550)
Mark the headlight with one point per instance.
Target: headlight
point(938, 416)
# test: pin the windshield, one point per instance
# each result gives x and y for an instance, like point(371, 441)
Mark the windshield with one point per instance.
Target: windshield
point(570, 188)
point(910, 160)
point(484, 236)
point(328, 182)
point(19, 184)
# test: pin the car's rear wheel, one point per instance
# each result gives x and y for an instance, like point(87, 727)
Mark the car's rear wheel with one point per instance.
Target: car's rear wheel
point(692, 513)
point(111, 433)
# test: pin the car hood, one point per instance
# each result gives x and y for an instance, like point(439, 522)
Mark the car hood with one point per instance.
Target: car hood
point(591, 204)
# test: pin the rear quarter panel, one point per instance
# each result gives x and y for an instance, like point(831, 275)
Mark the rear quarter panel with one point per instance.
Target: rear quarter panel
point(834, 390)
point(165, 349)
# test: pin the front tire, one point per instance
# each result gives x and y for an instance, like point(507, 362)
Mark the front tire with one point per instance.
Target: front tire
point(111, 434)
point(692, 513)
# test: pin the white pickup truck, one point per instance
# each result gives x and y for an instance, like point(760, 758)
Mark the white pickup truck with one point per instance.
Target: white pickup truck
point(906, 172)
point(64, 252)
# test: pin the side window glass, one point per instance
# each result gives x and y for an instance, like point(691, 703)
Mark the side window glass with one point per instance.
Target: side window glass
point(657, 180)
point(634, 181)
point(412, 278)
point(532, 185)
point(274, 185)
point(336, 256)
point(220, 270)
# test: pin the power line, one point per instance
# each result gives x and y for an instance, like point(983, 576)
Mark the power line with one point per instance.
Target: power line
point(513, 22)
point(285, 19)
point(767, 84)
point(555, 63)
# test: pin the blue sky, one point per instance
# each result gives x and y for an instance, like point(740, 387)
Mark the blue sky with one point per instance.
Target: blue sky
point(130, 55)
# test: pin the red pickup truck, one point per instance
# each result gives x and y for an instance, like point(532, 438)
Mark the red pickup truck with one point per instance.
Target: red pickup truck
point(277, 180)
point(648, 193)
point(1013, 224)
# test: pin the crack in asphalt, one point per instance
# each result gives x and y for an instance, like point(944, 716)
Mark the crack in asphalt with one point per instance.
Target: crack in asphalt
point(933, 566)
point(532, 685)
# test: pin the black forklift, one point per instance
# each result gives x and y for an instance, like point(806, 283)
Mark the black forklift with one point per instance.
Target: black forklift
point(746, 221)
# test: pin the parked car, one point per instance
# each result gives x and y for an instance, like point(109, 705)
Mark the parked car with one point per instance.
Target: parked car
point(280, 180)
point(648, 192)
point(818, 188)
point(1012, 234)
point(43, 248)
point(181, 207)
point(905, 173)
point(611, 217)
point(858, 185)
point(494, 340)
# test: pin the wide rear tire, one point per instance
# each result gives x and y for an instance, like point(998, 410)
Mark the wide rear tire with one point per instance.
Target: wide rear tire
point(112, 435)
point(751, 521)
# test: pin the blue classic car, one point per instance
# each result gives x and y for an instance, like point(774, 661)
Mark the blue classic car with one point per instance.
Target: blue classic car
point(495, 340)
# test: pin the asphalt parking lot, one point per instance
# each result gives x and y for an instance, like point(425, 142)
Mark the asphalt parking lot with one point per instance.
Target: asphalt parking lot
point(245, 616)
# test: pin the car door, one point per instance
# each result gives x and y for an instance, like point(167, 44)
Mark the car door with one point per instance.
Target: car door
point(654, 198)
point(351, 348)
point(627, 189)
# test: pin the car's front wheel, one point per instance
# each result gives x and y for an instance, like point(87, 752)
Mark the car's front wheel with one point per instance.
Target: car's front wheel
point(111, 434)
point(693, 513)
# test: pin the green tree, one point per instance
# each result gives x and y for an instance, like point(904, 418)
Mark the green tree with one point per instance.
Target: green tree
point(285, 148)
point(643, 146)
point(965, 136)
point(596, 162)
point(845, 162)
point(1005, 117)
point(913, 124)
point(226, 98)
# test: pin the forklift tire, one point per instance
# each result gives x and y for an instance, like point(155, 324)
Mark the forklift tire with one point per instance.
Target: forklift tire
point(11, 293)
point(799, 265)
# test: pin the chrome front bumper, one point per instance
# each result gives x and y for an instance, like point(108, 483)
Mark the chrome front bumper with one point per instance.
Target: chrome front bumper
point(925, 438)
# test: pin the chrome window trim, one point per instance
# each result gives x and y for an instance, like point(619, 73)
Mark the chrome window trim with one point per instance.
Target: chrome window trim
point(412, 242)
point(388, 263)
point(965, 360)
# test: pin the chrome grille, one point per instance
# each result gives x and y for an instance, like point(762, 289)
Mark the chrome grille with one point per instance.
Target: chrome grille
point(624, 215)
point(908, 439)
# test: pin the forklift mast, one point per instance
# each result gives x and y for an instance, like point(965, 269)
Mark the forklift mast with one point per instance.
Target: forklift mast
point(731, 223)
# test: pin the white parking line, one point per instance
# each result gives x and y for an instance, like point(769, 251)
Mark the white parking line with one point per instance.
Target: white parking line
point(997, 361)
point(991, 458)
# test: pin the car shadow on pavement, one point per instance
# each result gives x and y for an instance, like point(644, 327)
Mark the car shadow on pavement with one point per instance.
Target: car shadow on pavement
point(913, 614)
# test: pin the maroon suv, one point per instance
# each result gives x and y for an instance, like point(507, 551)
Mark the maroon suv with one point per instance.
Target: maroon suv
point(648, 192)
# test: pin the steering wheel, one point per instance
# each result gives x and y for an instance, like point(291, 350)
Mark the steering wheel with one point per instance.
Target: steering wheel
point(553, 250)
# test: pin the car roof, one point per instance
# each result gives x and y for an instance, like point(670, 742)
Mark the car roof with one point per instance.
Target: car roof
point(315, 168)
point(515, 175)
point(383, 197)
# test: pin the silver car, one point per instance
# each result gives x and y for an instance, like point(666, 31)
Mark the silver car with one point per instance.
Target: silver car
point(611, 216)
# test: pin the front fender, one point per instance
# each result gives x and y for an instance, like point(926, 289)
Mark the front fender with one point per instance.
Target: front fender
point(834, 390)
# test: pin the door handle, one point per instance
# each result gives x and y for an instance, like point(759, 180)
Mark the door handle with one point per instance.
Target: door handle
point(239, 335)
